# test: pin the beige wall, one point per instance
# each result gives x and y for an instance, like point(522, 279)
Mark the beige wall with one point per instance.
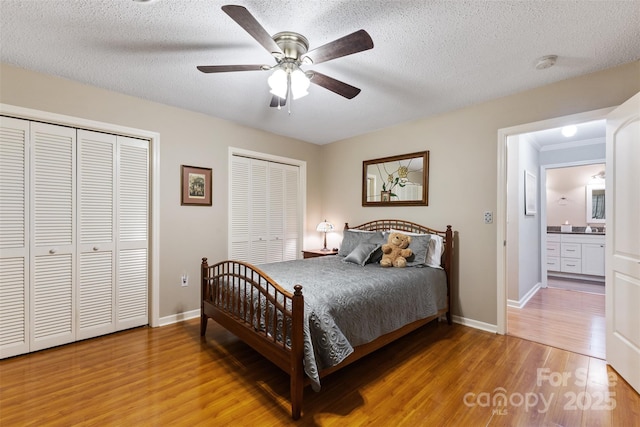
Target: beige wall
point(463, 171)
point(187, 233)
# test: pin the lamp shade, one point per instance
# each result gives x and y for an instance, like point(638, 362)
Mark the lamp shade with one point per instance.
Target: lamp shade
point(299, 84)
point(278, 83)
point(325, 227)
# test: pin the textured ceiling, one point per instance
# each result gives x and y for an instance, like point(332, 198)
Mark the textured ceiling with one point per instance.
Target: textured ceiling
point(429, 57)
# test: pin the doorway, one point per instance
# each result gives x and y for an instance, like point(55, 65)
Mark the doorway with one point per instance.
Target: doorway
point(525, 236)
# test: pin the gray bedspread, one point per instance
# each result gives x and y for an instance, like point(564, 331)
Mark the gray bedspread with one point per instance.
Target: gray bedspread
point(347, 305)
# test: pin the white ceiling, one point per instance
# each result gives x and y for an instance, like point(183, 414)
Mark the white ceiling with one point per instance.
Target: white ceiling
point(589, 132)
point(429, 57)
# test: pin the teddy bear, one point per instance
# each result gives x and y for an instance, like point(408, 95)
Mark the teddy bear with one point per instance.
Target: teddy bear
point(396, 250)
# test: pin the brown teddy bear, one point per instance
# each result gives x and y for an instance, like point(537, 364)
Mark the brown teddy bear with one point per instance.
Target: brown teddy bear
point(396, 250)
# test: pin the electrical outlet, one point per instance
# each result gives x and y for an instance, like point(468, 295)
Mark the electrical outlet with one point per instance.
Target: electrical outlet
point(184, 280)
point(488, 217)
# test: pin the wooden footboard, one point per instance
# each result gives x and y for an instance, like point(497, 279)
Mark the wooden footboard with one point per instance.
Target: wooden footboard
point(255, 308)
point(251, 305)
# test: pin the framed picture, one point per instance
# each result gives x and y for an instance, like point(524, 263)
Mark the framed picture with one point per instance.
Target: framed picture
point(195, 186)
point(530, 193)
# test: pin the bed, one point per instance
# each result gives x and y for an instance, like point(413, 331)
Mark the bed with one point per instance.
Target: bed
point(350, 308)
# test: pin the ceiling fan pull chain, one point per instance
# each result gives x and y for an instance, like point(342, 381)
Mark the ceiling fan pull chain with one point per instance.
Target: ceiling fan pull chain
point(289, 97)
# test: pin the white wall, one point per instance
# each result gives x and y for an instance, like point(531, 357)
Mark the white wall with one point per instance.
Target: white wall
point(529, 226)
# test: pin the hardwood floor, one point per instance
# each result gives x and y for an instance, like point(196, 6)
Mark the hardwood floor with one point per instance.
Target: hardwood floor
point(437, 375)
point(570, 320)
point(591, 287)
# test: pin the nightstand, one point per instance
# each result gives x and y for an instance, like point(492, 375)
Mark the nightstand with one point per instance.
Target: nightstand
point(317, 252)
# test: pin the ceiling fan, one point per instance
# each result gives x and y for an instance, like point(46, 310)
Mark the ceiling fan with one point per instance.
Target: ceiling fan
point(291, 51)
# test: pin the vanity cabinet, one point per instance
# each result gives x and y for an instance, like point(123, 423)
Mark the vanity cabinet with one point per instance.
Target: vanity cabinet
point(575, 254)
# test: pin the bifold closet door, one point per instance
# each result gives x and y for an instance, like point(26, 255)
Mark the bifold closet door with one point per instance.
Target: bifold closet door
point(113, 210)
point(265, 211)
point(95, 303)
point(14, 239)
point(132, 212)
point(52, 250)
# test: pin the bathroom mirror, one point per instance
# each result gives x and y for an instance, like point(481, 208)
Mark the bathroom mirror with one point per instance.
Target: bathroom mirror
point(595, 202)
point(396, 181)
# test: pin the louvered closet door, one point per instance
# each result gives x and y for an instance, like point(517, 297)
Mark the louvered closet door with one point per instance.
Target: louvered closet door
point(259, 212)
point(14, 240)
point(265, 211)
point(292, 212)
point(95, 302)
point(52, 254)
point(132, 279)
point(276, 200)
point(240, 181)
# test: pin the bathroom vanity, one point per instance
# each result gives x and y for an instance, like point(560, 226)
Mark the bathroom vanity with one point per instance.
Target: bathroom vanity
point(576, 254)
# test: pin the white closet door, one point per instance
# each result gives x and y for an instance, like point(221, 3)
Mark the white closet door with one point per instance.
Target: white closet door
point(291, 213)
point(265, 211)
point(239, 211)
point(14, 239)
point(95, 301)
point(276, 199)
point(52, 251)
point(259, 212)
point(132, 276)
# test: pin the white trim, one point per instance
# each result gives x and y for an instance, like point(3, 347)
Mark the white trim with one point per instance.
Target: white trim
point(501, 212)
point(179, 317)
point(525, 299)
point(154, 146)
point(302, 189)
point(474, 324)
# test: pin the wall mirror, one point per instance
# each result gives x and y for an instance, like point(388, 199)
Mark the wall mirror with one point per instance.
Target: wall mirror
point(396, 181)
point(595, 203)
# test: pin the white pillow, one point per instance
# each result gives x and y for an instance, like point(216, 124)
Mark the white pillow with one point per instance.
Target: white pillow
point(436, 247)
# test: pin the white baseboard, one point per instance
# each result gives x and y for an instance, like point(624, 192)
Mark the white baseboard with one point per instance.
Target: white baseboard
point(525, 299)
point(475, 324)
point(179, 317)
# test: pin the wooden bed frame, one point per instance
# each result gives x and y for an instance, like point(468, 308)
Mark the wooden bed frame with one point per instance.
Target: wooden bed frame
point(221, 303)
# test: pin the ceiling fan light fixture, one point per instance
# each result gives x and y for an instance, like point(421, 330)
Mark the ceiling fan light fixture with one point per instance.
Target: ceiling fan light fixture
point(569, 131)
point(278, 83)
point(299, 84)
point(288, 78)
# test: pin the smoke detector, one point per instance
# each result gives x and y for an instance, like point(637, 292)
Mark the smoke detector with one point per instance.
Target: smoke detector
point(546, 62)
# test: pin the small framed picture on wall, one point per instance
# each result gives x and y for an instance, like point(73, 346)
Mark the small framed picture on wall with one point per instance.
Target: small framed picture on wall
point(195, 186)
point(530, 193)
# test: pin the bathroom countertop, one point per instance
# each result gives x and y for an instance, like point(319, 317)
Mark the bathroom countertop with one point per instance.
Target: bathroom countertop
point(555, 229)
point(597, 233)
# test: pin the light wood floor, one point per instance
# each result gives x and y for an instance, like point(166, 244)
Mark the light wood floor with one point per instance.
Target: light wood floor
point(439, 375)
point(562, 318)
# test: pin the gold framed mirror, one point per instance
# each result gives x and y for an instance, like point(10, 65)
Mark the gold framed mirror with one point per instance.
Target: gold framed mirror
point(396, 181)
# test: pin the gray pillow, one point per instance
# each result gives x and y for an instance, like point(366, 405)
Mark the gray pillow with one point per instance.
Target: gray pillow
point(362, 253)
point(419, 246)
point(351, 239)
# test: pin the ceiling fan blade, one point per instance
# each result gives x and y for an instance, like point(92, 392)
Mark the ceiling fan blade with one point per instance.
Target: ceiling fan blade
point(246, 20)
point(347, 45)
point(276, 101)
point(228, 68)
point(334, 85)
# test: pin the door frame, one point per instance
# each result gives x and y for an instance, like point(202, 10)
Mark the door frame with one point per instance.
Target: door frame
point(501, 217)
point(154, 183)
